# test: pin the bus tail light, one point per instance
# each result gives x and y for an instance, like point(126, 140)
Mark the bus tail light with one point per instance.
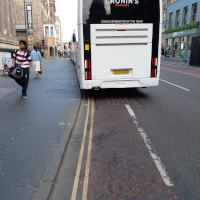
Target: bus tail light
point(153, 73)
point(154, 64)
point(88, 70)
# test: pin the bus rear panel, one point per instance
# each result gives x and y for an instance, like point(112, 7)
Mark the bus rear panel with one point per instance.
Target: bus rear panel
point(119, 43)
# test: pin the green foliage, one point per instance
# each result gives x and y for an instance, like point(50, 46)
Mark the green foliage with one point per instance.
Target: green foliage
point(166, 31)
point(181, 28)
point(188, 26)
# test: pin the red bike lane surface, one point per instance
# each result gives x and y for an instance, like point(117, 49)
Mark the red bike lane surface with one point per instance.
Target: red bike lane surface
point(182, 69)
point(121, 166)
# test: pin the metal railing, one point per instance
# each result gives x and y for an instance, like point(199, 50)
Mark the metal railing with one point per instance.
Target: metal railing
point(176, 60)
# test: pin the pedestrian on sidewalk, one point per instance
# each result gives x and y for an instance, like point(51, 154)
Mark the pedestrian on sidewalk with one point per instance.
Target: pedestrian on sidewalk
point(61, 54)
point(166, 53)
point(22, 58)
point(36, 61)
point(163, 52)
point(65, 54)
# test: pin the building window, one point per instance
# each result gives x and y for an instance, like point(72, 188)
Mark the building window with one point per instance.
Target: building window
point(194, 12)
point(46, 31)
point(185, 15)
point(29, 16)
point(170, 20)
point(177, 18)
point(51, 31)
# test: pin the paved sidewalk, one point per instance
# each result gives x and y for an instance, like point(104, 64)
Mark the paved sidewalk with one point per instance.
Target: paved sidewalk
point(194, 71)
point(176, 61)
point(35, 131)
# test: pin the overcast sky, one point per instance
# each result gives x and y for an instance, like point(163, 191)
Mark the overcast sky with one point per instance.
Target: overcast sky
point(67, 10)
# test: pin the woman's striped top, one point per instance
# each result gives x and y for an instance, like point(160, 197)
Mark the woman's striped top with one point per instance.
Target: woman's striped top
point(22, 59)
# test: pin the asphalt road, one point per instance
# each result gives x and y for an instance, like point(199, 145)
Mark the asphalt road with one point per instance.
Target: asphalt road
point(136, 143)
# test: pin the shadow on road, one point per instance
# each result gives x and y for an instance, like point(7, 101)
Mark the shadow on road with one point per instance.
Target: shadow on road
point(118, 93)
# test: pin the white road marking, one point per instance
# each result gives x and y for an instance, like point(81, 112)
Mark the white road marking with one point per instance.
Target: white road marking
point(175, 85)
point(74, 192)
point(160, 166)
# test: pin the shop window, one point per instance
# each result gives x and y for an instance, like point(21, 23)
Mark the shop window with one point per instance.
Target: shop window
point(178, 18)
point(185, 15)
point(194, 12)
point(170, 20)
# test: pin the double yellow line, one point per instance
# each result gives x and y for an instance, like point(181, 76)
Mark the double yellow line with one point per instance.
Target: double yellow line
point(87, 169)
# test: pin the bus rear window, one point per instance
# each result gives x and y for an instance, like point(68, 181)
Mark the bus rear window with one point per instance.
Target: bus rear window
point(120, 11)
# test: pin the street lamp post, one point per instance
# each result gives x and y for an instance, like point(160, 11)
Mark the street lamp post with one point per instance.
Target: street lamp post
point(54, 48)
point(25, 21)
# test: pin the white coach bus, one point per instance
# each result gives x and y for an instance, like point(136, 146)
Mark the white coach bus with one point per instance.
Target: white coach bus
point(73, 48)
point(119, 43)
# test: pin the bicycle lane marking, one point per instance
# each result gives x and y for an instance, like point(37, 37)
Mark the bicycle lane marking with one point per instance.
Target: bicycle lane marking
point(175, 85)
point(121, 166)
point(156, 158)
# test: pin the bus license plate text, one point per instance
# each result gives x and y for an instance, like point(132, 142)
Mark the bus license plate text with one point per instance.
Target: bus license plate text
point(121, 72)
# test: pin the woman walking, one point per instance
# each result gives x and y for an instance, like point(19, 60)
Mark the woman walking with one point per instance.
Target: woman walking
point(22, 58)
point(36, 61)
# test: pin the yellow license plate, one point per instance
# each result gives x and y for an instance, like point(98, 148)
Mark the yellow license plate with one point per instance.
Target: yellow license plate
point(121, 72)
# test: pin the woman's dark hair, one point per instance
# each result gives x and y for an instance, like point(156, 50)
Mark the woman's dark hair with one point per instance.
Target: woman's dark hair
point(35, 48)
point(22, 41)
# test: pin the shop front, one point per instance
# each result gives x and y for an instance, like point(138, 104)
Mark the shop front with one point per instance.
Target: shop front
point(179, 43)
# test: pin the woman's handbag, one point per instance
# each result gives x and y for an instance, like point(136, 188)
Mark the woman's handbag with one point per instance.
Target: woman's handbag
point(40, 72)
point(15, 72)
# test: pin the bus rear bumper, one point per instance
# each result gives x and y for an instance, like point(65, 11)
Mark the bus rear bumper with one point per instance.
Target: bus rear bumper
point(103, 84)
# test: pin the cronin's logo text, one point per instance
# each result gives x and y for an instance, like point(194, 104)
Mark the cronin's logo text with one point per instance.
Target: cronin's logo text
point(122, 1)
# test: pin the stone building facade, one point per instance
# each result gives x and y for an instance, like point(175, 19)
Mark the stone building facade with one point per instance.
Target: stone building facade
point(30, 19)
point(59, 37)
point(50, 32)
point(164, 13)
point(183, 19)
point(8, 40)
point(164, 18)
point(52, 11)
